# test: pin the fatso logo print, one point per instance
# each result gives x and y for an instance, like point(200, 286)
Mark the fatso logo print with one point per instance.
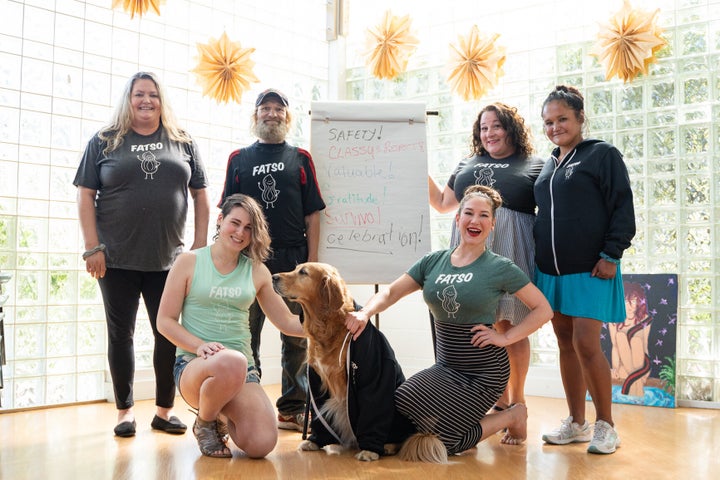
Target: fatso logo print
point(269, 191)
point(267, 184)
point(484, 176)
point(569, 169)
point(149, 163)
point(448, 297)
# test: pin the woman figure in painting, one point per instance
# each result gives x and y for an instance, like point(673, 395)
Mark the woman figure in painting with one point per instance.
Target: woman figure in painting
point(630, 359)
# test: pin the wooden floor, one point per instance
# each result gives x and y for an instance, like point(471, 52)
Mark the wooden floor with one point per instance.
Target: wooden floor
point(77, 443)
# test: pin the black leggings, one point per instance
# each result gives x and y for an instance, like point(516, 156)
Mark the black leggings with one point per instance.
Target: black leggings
point(121, 291)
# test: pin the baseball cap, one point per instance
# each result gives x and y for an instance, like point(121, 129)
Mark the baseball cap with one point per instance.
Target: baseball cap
point(271, 93)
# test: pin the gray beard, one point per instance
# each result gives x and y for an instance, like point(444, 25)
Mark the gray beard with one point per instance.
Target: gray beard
point(271, 133)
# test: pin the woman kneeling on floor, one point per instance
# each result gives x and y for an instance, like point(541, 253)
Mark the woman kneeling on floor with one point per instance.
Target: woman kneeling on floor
point(462, 286)
point(211, 289)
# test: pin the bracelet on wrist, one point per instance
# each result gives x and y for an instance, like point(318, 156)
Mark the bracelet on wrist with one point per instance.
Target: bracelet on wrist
point(93, 251)
point(607, 257)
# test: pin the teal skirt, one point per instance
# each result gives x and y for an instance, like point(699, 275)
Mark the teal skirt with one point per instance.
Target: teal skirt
point(580, 295)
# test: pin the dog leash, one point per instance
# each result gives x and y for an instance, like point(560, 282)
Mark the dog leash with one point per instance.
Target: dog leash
point(312, 397)
point(309, 399)
point(340, 360)
point(321, 418)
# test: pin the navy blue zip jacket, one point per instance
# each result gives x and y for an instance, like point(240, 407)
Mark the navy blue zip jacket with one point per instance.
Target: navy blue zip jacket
point(585, 208)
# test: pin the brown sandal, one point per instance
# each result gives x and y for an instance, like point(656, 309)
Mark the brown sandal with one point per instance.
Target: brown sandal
point(209, 439)
point(222, 430)
point(222, 427)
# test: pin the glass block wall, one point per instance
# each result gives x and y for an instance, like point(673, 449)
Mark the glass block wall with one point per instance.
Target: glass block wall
point(667, 124)
point(62, 69)
point(63, 64)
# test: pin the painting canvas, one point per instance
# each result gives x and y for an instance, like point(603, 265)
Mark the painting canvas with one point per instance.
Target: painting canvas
point(641, 351)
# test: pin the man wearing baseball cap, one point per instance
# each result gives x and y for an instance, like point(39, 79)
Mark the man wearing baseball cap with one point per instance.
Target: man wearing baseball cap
point(282, 179)
point(271, 94)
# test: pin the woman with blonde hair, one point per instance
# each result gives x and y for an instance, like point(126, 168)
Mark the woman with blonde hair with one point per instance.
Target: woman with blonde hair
point(133, 183)
point(501, 158)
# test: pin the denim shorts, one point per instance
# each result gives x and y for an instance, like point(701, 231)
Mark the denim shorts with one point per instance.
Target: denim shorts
point(182, 360)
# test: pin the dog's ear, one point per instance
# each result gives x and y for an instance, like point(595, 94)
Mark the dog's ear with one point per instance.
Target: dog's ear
point(334, 291)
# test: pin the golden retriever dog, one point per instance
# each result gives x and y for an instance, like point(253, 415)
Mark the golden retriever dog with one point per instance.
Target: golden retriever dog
point(352, 382)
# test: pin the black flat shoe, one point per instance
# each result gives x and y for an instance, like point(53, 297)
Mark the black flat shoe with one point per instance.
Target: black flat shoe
point(125, 429)
point(173, 425)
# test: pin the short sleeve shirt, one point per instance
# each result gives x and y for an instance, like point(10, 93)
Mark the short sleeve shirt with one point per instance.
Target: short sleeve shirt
point(466, 295)
point(142, 197)
point(282, 180)
point(513, 176)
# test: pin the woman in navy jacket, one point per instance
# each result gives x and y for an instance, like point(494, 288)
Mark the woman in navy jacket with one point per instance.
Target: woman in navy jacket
point(585, 222)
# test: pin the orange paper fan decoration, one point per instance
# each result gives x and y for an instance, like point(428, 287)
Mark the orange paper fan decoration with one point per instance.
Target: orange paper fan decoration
point(627, 45)
point(138, 6)
point(389, 46)
point(475, 64)
point(224, 69)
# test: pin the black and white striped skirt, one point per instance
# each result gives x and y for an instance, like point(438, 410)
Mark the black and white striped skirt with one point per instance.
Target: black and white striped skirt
point(450, 398)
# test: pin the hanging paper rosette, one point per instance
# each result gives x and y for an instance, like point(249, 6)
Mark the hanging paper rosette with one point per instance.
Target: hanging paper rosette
point(224, 69)
point(389, 46)
point(475, 64)
point(628, 43)
point(138, 6)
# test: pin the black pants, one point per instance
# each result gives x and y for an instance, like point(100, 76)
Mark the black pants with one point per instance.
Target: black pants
point(121, 291)
point(293, 358)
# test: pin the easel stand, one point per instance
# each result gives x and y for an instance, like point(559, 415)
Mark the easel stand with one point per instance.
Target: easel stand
point(377, 315)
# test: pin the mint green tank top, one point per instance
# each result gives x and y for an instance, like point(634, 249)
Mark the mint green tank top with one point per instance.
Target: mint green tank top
point(216, 308)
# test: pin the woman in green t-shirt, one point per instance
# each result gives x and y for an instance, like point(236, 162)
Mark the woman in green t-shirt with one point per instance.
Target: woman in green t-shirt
point(462, 287)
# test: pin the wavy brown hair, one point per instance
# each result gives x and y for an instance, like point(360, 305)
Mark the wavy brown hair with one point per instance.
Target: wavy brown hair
point(259, 248)
point(636, 291)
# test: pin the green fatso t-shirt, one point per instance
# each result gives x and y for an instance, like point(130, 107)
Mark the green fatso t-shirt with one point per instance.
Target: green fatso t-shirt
point(466, 295)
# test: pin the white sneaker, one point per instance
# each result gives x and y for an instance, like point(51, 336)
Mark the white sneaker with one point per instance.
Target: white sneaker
point(605, 439)
point(569, 432)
